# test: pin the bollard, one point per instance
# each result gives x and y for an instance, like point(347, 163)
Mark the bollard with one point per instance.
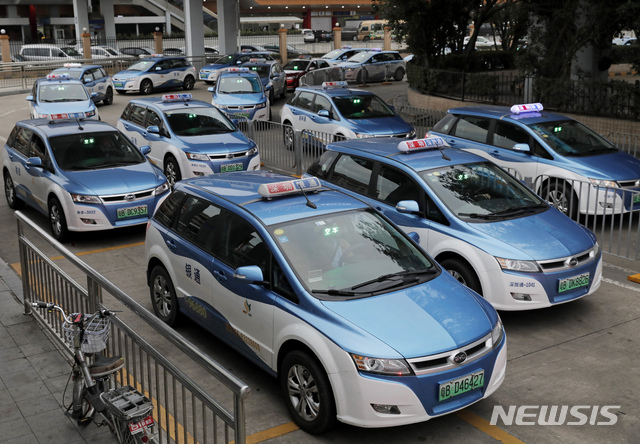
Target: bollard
point(386, 74)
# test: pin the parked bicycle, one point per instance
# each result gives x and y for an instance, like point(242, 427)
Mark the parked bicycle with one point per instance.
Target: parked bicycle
point(125, 410)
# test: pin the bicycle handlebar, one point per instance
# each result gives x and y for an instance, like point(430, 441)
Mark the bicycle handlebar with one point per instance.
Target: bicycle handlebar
point(103, 312)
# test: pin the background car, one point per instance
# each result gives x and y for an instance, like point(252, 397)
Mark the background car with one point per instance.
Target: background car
point(59, 94)
point(290, 50)
point(336, 56)
point(156, 73)
point(272, 75)
point(240, 94)
point(83, 176)
point(188, 138)
point(48, 52)
point(349, 33)
point(104, 52)
point(95, 80)
point(137, 51)
point(484, 42)
point(318, 36)
point(374, 66)
point(209, 73)
point(296, 68)
point(253, 48)
point(486, 228)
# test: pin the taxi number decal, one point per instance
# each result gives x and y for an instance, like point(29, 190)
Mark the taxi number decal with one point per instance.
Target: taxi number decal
point(192, 273)
point(522, 284)
point(302, 118)
point(247, 340)
point(196, 307)
point(18, 171)
point(86, 212)
point(134, 141)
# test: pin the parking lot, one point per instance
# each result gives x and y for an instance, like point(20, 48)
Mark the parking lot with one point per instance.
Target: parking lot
point(581, 355)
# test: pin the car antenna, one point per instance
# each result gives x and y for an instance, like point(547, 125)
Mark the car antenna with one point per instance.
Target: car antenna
point(309, 203)
point(444, 156)
point(79, 125)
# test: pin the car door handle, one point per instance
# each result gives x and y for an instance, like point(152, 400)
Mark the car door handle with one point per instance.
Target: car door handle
point(219, 275)
point(171, 244)
point(451, 142)
point(495, 153)
point(126, 126)
point(144, 133)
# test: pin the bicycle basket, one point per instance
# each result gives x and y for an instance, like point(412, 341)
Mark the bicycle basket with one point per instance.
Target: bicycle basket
point(96, 334)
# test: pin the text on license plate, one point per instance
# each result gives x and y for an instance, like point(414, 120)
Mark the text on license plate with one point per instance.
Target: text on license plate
point(231, 167)
point(132, 211)
point(461, 385)
point(117, 84)
point(636, 198)
point(573, 282)
point(136, 427)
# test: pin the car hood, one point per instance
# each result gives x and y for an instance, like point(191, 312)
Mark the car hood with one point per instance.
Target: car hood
point(214, 67)
point(291, 72)
point(546, 235)
point(65, 107)
point(238, 99)
point(380, 125)
point(127, 74)
point(224, 143)
point(434, 317)
point(117, 180)
point(612, 166)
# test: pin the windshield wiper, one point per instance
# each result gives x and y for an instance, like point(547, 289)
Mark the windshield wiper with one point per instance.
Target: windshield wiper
point(391, 276)
point(334, 292)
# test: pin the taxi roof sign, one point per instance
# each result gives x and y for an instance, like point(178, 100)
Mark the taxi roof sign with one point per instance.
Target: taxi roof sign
point(338, 84)
point(527, 108)
point(72, 65)
point(431, 142)
point(63, 116)
point(63, 76)
point(271, 190)
point(245, 69)
point(346, 46)
point(176, 97)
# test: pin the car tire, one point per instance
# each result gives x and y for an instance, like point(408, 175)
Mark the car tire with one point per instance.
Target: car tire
point(289, 136)
point(366, 38)
point(307, 392)
point(120, 91)
point(57, 220)
point(146, 87)
point(172, 170)
point(355, 38)
point(361, 77)
point(108, 97)
point(163, 296)
point(188, 83)
point(208, 82)
point(14, 202)
point(560, 195)
point(398, 75)
point(463, 273)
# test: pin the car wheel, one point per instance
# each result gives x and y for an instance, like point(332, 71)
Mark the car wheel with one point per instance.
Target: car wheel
point(560, 195)
point(361, 77)
point(188, 83)
point(146, 86)
point(307, 393)
point(57, 220)
point(463, 273)
point(355, 38)
point(289, 137)
point(120, 91)
point(398, 75)
point(366, 38)
point(172, 170)
point(163, 297)
point(108, 97)
point(13, 201)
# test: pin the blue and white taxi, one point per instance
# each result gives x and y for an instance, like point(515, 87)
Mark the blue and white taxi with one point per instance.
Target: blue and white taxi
point(375, 65)
point(339, 112)
point(239, 93)
point(156, 72)
point(209, 73)
point(567, 163)
point(343, 54)
point(188, 138)
point(58, 95)
point(481, 224)
point(94, 78)
point(84, 175)
point(325, 293)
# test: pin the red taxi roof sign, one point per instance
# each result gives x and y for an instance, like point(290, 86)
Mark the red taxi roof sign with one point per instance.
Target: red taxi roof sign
point(63, 76)
point(63, 116)
point(527, 108)
point(431, 142)
point(271, 190)
point(338, 84)
point(176, 97)
point(245, 69)
point(346, 46)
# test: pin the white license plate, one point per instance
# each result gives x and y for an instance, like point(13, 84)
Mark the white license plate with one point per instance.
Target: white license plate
point(231, 167)
point(137, 427)
point(132, 211)
point(573, 282)
point(461, 385)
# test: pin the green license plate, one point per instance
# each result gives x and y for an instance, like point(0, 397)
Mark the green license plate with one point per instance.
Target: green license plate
point(461, 385)
point(636, 198)
point(117, 84)
point(231, 167)
point(132, 211)
point(573, 282)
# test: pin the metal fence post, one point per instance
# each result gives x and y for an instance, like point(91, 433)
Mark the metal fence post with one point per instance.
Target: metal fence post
point(297, 151)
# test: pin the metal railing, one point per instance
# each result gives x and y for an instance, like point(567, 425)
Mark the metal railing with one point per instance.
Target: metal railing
point(184, 411)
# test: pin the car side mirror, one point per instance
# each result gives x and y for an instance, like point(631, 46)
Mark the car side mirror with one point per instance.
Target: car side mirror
point(29, 98)
point(324, 113)
point(407, 206)
point(158, 68)
point(268, 87)
point(94, 95)
point(210, 89)
point(34, 162)
point(153, 129)
point(414, 237)
point(521, 147)
point(145, 149)
point(251, 274)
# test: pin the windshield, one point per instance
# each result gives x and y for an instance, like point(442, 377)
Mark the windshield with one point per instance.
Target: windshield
point(359, 57)
point(93, 151)
point(235, 85)
point(333, 54)
point(362, 107)
point(482, 191)
point(223, 60)
point(62, 92)
point(261, 70)
point(75, 74)
point(338, 254)
point(71, 51)
point(296, 65)
point(141, 66)
point(571, 138)
point(198, 122)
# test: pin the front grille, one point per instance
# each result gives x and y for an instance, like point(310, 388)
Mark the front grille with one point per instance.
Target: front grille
point(241, 107)
point(564, 263)
point(228, 156)
point(444, 361)
point(119, 198)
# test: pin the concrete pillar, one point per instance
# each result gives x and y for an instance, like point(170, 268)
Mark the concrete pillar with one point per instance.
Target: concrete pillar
point(228, 26)
point(282, 35)
point(157, 41)
point(337, 37)
point(106, 8)
point(4, 46)
point(81, 17)
point(194, 30)
point(387, 38)
point(167, 23)
point(86, 44)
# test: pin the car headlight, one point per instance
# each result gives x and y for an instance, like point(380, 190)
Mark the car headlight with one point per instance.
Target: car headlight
point(497, 333)
point(42, 116)
point(517, 265)
point(412, 134)
point(261, 105)
point(362, 135)
point(197, 156)
point(85, 199)
point(392, 367)
point(220, 106)
point(350, 69)
point(600, 183)
point(90, 113)
point(161, 189)
point(253, 151)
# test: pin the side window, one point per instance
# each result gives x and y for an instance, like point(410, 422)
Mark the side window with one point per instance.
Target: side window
point(320, 168)
point(12, 137)
point(472, 128)
point(506, 135)
point(444, 125)
point(244, 246)
point(305, 100)
point(280, 284)
point(353, 173)
point(127, 112)
point(37, 148)
point(392, 186)
point(321, 103)
point(153, 119)
point(22, 141)
point(87, 77)
point(540, 151)
point(101, 73)
point(136, 115)
point(167, 210)
point(199, 223)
